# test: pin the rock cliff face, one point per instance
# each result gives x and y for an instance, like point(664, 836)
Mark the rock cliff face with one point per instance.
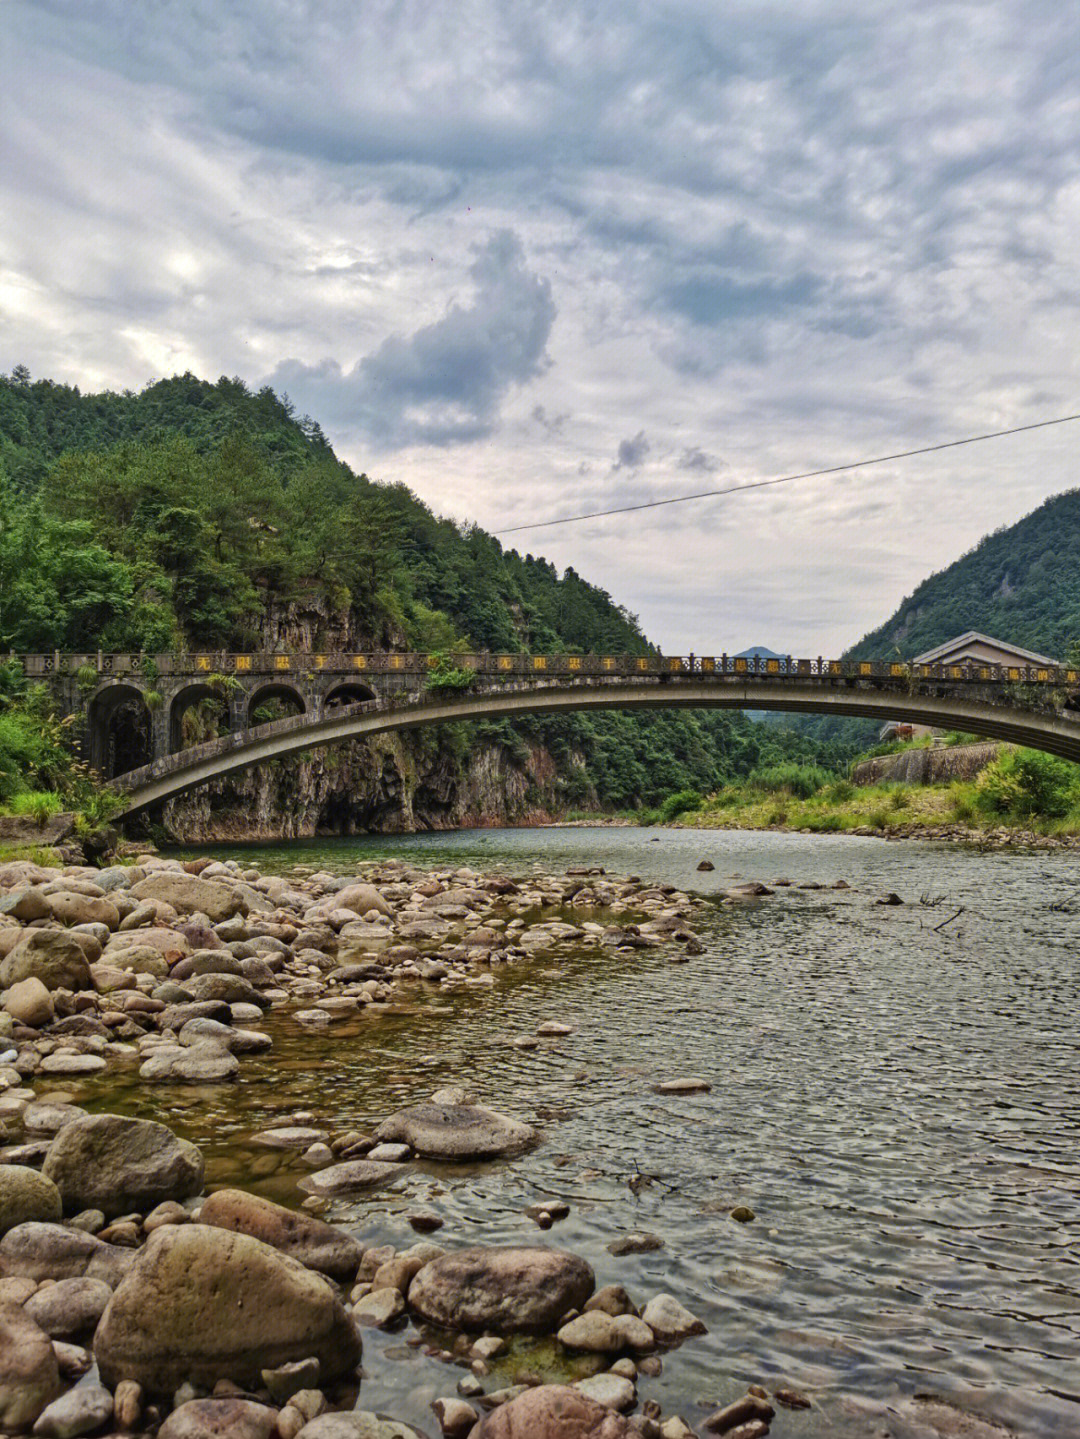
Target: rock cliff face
point(424, 779)
point(393, 784)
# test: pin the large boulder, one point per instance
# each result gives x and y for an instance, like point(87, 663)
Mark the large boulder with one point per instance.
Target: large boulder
point(360, 898)
point(26, 1195)
point(29, 1376)
point(71, 908)
point(457, 1131)
point(188, 894)
point(51, 1251)
point(204, 1063)
point(201, 1304)
point(51, 955)
point(506, 1290)
point(70, 1308)
point(113, 1163)
point(315, 1244)
point(552, 1411)
point(30, 1003)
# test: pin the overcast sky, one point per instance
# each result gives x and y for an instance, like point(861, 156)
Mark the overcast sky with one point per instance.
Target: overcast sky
point(535, 258)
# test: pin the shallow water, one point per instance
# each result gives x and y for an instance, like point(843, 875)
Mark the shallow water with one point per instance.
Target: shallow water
point(895, 1094)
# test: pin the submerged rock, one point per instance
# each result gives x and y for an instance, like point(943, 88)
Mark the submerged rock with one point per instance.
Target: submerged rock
point(506, 1290)
point(202, 1304)
point(457, 1131)
point(354, 1174)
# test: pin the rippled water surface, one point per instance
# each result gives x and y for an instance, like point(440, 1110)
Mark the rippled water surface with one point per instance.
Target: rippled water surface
point(895, 1094)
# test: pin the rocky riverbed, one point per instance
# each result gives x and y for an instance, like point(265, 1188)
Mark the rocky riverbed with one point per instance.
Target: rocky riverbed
point(131, 1300)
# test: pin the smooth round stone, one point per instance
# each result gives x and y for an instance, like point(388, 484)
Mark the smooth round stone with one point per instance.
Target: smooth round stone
point(348, 1177)
point(312, 1017)
point(245, 1013)
point(61, 1063)
point(294, 1136)
point(683, 1086)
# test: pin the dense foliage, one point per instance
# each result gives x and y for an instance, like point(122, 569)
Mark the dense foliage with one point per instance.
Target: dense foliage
point(191, 514)
point(1020, 584)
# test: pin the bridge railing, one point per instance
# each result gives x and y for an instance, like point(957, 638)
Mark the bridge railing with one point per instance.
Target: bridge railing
point(302, 666)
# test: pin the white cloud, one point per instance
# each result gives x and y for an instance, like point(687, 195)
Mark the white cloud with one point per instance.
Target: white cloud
point(488, 246)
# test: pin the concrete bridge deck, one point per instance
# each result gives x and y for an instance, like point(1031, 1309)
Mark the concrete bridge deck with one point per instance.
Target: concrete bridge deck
point(339, 697)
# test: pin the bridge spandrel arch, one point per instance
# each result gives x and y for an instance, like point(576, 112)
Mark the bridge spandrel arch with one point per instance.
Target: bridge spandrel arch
point(276, 694)
point(346, 692)
point(189, 699)
point(119, 729)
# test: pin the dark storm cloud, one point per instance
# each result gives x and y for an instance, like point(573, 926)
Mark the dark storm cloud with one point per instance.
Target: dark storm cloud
point(444, 383)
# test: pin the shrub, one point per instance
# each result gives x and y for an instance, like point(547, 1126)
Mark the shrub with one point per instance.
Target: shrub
point(899, 798)
point(841, 790)
point(879, 819)
point(1026, 782)
point(798, 780)
point(677, 804)
point(777, 816)
point(444, 675)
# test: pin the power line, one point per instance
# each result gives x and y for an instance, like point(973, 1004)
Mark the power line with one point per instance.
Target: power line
point(787, 479)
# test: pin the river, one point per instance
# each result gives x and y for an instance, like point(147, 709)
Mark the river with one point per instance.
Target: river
point(895, 1095)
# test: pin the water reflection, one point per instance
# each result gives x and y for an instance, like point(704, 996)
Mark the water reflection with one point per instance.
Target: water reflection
point(897, 1103)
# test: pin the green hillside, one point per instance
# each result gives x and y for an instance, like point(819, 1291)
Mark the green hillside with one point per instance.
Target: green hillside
point(201, 515)
point(1020, 584)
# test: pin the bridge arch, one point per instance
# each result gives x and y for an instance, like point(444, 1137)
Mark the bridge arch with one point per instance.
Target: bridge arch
point(276, 695)
point(206, 705)
point(349, 692)
point(931, 704)
point(119, 729)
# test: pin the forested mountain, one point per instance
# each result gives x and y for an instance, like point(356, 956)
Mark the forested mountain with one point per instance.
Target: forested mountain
point(1020, 584)
point(201, 515)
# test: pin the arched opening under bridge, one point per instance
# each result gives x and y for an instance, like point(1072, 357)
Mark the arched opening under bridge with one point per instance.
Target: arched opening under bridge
point(197, 713)
point(118, 730)
point(349, 693)
point(274, 702)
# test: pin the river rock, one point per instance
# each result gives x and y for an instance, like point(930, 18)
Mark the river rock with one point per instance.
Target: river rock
point(457, 1131)
point(360, 1424)
point(201, 1304)
point(506, 1290)
point(25, 905)
point(361, 898)
point(636, 1243)
point(379, 1308)
point(67, 1061)
point(236, 1041)
point(613, 1391)
point(351, 1176)
point(70, 908)
point(29, 1375)
point(316, 1245)
point(683, 1086)
point(669, 1321)
point(228, 988)
point(189, 894)
point(553, 1411)
point(26, 1195)
point(51, 955)
point(79, 1411)
point(30, 1002)
point(220, 1419)
point(203, 1063)
point(53, 1251)
point(114, 1163)
point(70, 1308)
point(593, 1332)
point(291, 1136)
point(456, 1418)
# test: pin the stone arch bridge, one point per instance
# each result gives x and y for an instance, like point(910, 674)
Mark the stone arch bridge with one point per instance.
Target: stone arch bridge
point(135, 708)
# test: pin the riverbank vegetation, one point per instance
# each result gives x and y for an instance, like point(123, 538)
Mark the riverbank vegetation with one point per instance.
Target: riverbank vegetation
point(1022, 789)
